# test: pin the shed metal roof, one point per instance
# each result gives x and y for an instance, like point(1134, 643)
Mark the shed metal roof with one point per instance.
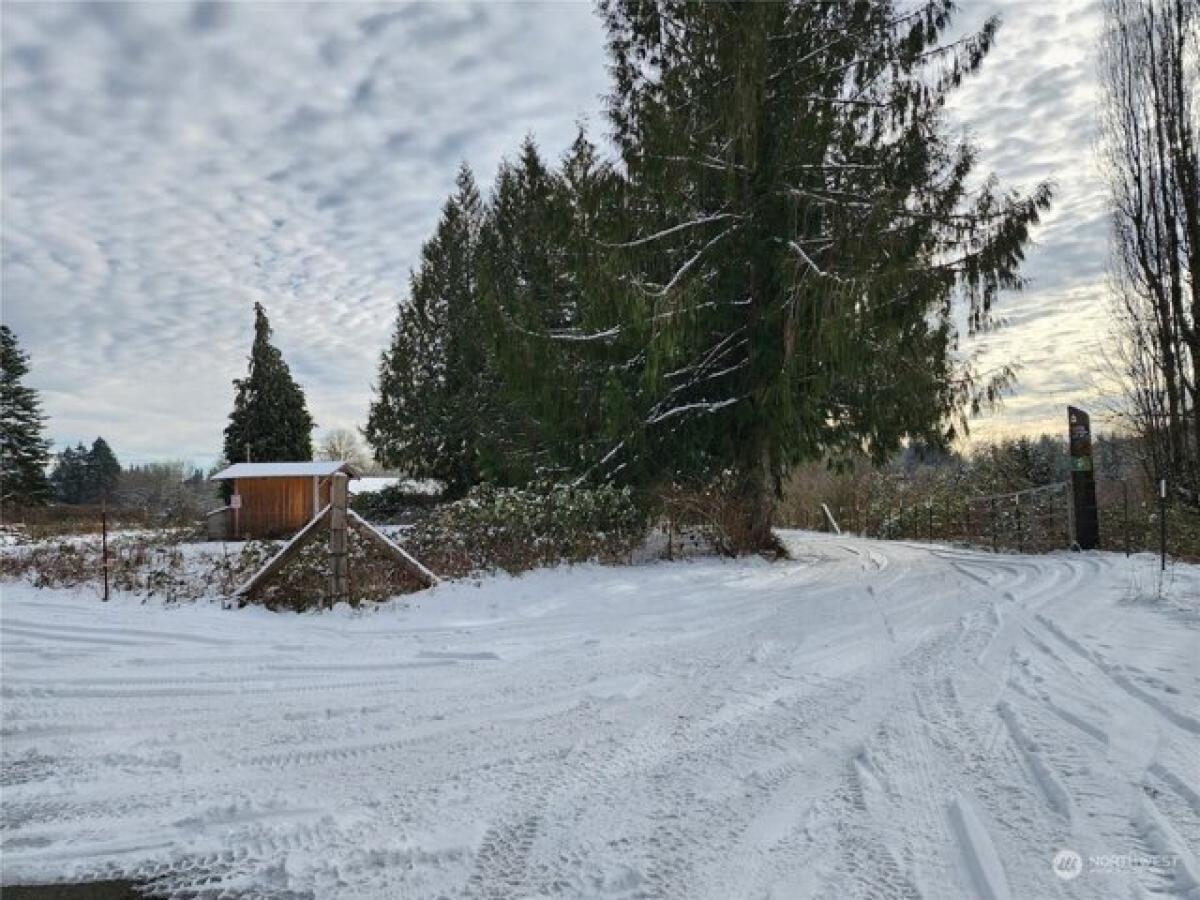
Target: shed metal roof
point(284, 470)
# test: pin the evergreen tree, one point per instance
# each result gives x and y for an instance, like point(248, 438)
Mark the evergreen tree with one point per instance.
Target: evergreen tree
point(270, 421)
point(72, 477)
point(523, 284)
point(431, 402)
point(806, 227)
point(104, 472)
point(86, 476)
point(550, 293)
point(24, 449)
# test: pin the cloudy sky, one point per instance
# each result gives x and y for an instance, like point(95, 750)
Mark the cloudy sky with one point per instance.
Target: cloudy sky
point(167, 164)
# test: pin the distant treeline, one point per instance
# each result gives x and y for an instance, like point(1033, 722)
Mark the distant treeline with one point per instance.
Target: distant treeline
point(84, 476)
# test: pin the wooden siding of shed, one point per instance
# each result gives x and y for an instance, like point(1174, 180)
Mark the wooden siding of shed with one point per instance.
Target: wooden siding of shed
point(276, 507)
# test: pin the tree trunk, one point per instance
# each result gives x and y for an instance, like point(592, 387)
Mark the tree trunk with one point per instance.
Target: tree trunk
point(755, 504)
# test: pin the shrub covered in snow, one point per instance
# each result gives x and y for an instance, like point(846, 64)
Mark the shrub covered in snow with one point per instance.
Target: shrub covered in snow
point(492, 529)
point(304, 583)
point(394, 503)
point(515, 529)
point(153, 563)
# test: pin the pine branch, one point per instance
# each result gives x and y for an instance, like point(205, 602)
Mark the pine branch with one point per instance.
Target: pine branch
point(675, 229)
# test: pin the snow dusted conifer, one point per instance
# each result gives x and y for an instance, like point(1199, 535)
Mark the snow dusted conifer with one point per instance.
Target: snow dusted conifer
point(270, 420)
point(523, 288)
point(104, 471)
point(552, 299)
point(86, 476)
point(431, 399)
point(493, 372)
point(24, 449)
point(806, 227)
point(70, 476)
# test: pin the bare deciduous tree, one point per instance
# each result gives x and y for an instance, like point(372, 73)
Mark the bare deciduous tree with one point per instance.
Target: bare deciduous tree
point(1150, 63)
point(343, 444)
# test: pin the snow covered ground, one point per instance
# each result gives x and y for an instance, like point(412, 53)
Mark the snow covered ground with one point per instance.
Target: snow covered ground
point(870, 720)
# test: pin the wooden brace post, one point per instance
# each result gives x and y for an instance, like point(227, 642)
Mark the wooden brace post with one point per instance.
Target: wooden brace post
point(339, 542)
point(283, 557)
point(340, 519)
point(367, 530)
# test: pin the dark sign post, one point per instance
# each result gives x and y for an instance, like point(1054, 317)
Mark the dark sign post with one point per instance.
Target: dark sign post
point(1083, 480)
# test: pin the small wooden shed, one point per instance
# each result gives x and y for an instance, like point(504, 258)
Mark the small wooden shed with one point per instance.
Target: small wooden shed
point(272, 500)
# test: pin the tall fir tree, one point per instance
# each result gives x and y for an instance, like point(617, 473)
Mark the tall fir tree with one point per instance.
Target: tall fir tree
point(806, 228)
point(550, 295)
point(431, 403)
point(83, 475)
point(104, 472)
point(523, 289)
point(270, 420)
point(24, 449)
point(87, 475)
point(72, 475)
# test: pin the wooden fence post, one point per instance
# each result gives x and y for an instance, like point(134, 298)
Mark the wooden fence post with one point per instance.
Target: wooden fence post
point(338, 539)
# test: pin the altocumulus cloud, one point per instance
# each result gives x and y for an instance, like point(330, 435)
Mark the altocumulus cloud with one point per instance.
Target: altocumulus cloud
point(166, 165)
point(1033, 112)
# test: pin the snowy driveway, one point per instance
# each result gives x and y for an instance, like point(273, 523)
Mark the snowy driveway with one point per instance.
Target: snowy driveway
point(871, 720)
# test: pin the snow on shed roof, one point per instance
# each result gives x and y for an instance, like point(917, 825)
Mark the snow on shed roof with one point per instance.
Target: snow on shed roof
point(284, 470)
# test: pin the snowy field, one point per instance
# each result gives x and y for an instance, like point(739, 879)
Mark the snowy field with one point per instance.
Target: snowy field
point(871, 720)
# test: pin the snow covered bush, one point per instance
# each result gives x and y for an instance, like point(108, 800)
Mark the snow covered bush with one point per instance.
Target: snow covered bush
point(515, 529)
point(304, 583)
point(508, 529)
point(150, 563)
point(391, 504)
point(493, 528)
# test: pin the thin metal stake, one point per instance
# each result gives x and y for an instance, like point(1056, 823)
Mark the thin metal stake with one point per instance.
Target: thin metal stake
point(1020, 540)
point(993, 505)
point(1125, 485)
point(1162, 521)
point(104, 546)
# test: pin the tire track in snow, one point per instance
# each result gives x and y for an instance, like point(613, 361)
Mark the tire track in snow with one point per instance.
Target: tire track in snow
point(157, 637)
point(1115, 820)
point(1117, 677)
point(1053, 791)
point(982, 861)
